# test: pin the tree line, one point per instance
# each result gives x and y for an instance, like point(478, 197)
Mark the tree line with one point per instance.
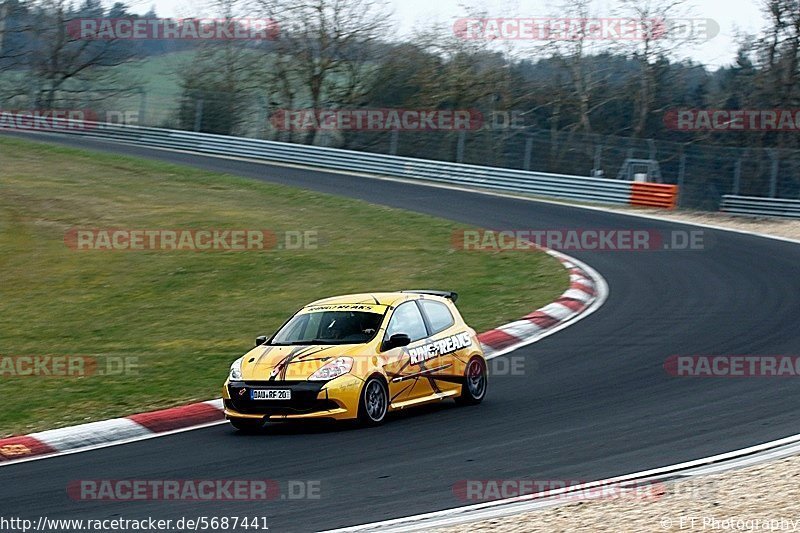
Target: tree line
point(334, 54)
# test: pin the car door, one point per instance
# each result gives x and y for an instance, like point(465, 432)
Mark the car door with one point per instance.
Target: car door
point(448, 342)
point(404, 382)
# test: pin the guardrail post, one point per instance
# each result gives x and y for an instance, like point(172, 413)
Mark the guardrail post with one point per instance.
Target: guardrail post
point(598, 159)
point(681, 179)
point(263, 116)
point(460, 148)
point(773, 178)
point(394, 140)
point(32, 93)
point(198, 114)
point(528, 153)
point(142, 107)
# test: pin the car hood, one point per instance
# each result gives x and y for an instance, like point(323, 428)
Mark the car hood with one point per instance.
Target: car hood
point(291, 362)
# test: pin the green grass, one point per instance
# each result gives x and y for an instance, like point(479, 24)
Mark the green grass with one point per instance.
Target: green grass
point(187, 315)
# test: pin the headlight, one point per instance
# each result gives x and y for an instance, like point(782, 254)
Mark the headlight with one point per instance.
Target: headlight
point(236, 370)
point(332, 370)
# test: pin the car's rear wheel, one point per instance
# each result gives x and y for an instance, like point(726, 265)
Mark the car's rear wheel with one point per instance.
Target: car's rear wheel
point(374, 403)
point(247, 425)
point(473, 390)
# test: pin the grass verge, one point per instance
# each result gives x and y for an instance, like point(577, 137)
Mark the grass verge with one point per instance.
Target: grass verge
point(185, 315)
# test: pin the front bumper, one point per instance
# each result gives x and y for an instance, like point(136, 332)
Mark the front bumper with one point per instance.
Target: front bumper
point(336, 399)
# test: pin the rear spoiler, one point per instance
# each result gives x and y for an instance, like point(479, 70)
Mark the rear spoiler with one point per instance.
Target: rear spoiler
point(450, 295)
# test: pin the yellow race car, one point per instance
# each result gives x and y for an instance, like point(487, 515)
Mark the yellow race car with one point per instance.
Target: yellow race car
point(358, 357)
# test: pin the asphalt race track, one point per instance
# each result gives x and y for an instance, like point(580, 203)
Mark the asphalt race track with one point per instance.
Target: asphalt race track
point(595, 400)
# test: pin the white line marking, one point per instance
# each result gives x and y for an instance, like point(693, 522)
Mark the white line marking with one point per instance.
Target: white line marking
point(579, 278)
point(602, 292)
point(531, 502)
point(91, 434)
point(601, 285)
point(601, 288)
point(577, 294)
point(216, 404)
point(558, 311)
point(110, 444)
point(520, 328)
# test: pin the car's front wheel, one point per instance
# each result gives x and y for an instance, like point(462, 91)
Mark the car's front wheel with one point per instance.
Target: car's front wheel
point(475, 382)
point(374, 403)
point(247, 425)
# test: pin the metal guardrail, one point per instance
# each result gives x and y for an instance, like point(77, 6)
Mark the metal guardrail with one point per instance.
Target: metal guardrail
point(755, 206)
point(502, 179)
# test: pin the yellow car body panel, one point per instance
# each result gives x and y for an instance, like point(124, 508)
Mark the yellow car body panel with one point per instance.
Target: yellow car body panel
point(431, 368)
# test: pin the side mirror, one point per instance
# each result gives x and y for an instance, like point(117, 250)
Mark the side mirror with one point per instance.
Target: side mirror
point(396, 341)
point(261, 339)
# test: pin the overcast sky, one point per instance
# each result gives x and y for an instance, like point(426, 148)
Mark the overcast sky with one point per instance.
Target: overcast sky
point(732, 16)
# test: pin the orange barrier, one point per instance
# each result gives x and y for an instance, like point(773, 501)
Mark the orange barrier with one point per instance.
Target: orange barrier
point(654, 195)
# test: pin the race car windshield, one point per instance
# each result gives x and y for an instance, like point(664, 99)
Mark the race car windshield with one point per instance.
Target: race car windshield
point(329, 327)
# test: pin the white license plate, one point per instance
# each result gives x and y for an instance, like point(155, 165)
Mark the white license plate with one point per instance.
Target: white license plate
point(271, 394)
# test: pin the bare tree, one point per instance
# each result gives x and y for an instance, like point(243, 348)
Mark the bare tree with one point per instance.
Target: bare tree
point(467, 74)
point(781, 48)
point(659, 40)
point(573, 50)
point(324, 49)
point(12, 30)
point(219, 78)
point(771, 77)
point(62, 63)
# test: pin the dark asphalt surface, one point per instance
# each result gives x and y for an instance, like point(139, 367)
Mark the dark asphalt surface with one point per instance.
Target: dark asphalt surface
point(595, 400)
